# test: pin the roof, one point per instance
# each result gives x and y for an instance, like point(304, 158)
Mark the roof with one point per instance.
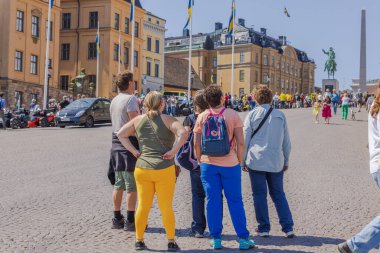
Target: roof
point(176, 74)
point(137, 3)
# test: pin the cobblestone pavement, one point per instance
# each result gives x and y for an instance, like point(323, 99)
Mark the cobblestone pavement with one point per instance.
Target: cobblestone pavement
point(55, 197)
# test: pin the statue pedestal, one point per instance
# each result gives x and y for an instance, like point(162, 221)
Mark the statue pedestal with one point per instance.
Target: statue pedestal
point(330, 84)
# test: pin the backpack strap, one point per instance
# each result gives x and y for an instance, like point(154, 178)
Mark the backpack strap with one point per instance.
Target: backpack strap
point(262, 122)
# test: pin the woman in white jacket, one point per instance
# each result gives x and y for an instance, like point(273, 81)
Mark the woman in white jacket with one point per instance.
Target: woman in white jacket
point(369, 237)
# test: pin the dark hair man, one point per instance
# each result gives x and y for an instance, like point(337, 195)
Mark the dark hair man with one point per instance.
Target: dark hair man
point(124, 107)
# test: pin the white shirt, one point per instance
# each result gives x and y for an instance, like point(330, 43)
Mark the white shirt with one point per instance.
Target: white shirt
point(374, 142)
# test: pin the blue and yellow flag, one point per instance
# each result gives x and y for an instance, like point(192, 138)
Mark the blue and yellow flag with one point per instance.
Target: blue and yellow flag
point(97, 40)
point(189, 12)
point(51, 3)
point(132, 11)
point(231, 22)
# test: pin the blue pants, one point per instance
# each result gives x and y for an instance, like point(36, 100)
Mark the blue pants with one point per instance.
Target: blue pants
point(214, 180)
point(198, 202)
point(335, 106)
point(260, 182)
point(369, 237)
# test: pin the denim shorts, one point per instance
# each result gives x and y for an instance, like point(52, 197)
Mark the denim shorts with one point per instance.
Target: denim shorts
point(125, 180)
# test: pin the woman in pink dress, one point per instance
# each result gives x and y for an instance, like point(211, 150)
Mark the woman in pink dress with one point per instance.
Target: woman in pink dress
point(326, 113)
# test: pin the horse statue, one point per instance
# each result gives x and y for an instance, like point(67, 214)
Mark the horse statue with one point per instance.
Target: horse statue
point(330, 65)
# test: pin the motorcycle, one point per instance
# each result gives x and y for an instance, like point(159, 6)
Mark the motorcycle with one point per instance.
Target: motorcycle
point(48, 118)
point(19, 119)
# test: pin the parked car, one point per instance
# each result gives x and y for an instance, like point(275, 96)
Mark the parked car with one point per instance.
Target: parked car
point(84, 112)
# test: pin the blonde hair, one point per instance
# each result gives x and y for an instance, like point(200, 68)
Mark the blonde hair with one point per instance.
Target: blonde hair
point(152, 103)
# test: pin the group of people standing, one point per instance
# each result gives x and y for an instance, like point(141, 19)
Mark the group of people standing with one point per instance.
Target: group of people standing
point(222, 147)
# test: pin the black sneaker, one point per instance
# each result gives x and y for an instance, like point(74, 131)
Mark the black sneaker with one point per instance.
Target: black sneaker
point(140, 245)
point(129, 226)
point(117, 224)
point(173, 246)
point(343, 248)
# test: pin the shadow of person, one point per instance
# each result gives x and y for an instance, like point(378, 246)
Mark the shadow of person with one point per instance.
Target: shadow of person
point(307, 241)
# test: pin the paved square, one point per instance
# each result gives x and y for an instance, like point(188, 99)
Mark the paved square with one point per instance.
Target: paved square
point(55, 196)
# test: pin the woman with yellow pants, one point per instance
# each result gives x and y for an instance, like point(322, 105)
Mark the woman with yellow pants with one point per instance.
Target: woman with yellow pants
point(155, 170)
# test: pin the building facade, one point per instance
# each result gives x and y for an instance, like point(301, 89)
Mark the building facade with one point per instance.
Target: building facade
point(22, 51)
point(259, 59)
point(153, 65)
point(371, 86)
point(79, 24)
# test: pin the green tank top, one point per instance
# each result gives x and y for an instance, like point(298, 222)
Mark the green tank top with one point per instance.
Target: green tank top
point(152, 149)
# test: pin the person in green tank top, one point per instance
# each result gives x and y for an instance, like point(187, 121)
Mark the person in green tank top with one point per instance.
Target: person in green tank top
point(155, 170)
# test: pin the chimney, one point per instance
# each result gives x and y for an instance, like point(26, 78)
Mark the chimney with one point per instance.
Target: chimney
point(241, 21)
point(282, 39)
point(263, 31)
point(218, 26)
point(186, 33)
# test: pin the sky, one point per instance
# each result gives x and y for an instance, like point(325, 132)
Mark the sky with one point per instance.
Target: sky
point(314, 25)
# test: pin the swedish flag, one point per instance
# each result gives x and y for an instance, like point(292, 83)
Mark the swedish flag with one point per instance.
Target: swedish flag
point(286, 12)
point(231, 23)
point(132, 10)
point(189, 12)
point(97, 40)
point(51, 2)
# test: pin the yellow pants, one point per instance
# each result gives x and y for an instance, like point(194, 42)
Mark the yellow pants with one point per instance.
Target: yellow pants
point(161, 182)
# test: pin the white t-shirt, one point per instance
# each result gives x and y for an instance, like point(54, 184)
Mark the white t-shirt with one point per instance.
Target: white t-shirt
point(345, 101)
point(374, 142)
point(120, 106)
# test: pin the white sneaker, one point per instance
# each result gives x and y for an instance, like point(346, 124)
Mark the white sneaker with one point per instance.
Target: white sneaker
point(290, 234)
point(262, 234)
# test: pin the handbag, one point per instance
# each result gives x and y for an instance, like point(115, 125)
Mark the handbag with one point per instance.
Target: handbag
point(177, 168)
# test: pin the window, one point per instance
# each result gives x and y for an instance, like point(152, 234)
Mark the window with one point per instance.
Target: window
point(115, 52)
point(64, 82)
point(92, 50)
point(257, 58)
point(35, 26)
point(278, 64)
point(266, 78)
point(66, 21)
point(136, 29)
point(117, 19)
point(287, 68)
point(18, 61)
point(50, 63)
point(157, 22)
point(213, 80)
point(126, 55)
point(126, 29)
point(256, 76)
point(242, 57)
point(92, 79)
point(20, 21)
point(149, 44)
point(65, 52)
point(51, 30)
point(18, 99)
point(215, 62)
point(157, 46)
point(136, 58)
point(93, 19)
point(156, 70)
point(272, 61)
point(265, 60)
point(33, 64)
point(148, 68)
point(241, 75)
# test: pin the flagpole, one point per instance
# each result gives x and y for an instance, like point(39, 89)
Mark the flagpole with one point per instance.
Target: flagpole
point(97, 63)
point(190, 56)
point(233, 57)
point(133, 38)
point(119, 52)
point(46, 78)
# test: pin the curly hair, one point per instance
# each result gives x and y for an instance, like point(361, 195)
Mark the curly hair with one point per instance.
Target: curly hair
point(376, 104)
point(263, 95)
point(123, 79)
point(213, 95)
point(200, 103)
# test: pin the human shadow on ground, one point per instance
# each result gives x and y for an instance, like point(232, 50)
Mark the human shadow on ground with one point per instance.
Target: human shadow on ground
point(235, 250)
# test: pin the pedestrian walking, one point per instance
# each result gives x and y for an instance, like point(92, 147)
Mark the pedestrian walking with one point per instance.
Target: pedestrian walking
point(155, 170)
point(265, 130)
point(187, 160)
point(345, 104)
point(317, 108)
point(360, 99)
point(124, 107)
point(335, 99)
point(219, 146)
point(326, 111)
point(171, 102)
point(369, 237)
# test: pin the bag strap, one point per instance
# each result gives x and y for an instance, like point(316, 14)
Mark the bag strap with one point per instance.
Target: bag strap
point(262, 121)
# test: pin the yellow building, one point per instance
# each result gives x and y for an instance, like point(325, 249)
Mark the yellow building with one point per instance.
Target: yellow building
point(22, 50)
point(153, 53)
point(78, 49)
point(259, 59)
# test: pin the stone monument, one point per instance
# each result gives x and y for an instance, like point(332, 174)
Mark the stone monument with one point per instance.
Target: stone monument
point(363, 54)
point(330, 68)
